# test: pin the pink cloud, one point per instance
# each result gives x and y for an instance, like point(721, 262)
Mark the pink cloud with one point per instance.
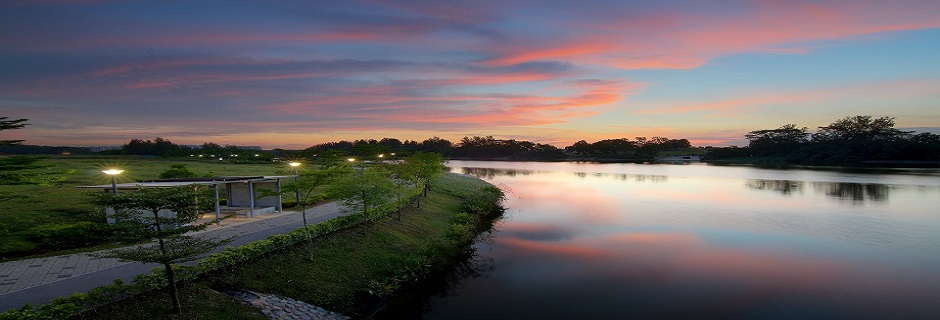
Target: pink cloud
point(683, 40)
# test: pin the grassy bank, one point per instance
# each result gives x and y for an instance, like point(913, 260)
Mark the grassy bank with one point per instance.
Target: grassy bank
point(352, 268)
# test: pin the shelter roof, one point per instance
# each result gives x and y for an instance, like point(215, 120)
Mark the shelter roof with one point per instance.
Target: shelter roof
point(168, 183)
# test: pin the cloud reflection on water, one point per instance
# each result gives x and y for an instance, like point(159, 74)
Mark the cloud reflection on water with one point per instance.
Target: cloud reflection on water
point(707, 279)
point(646, 241)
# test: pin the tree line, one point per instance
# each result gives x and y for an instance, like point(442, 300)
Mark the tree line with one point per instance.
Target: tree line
point(850, 140)
point(469, 147)
point(854, 139)
point(480, 147)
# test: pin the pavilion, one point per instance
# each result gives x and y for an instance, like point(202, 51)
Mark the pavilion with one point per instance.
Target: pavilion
point(241, 192)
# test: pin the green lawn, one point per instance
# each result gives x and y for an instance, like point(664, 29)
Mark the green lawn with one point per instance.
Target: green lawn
point(29, 213)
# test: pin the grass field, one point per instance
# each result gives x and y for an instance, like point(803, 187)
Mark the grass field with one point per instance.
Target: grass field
point(29, 213)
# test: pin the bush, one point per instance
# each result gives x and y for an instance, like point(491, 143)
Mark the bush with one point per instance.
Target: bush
point(178, 171)
point(68, 235)
point(14, 247)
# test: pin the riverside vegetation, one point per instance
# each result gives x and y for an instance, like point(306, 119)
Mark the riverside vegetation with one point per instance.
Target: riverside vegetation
point(353, 267)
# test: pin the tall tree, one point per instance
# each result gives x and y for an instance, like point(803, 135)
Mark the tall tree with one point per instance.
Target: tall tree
point(780, 141)
point(859, 128)
point(139, 216)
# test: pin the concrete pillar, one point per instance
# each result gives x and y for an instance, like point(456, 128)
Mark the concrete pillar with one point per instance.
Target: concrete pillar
point(251, 199)
point(218, 209)
point(280, 205)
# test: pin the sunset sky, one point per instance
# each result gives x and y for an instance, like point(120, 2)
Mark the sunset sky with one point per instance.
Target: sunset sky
point(291, 74)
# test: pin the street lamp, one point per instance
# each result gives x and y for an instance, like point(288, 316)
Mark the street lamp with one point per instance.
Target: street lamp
point(297, 191)
point(113, 173)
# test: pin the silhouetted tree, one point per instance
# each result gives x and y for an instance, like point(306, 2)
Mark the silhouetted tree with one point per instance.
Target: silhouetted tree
point(780, 141)
point(11, 125)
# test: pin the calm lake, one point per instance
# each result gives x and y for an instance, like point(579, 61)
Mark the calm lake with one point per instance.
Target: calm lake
point(618, 241)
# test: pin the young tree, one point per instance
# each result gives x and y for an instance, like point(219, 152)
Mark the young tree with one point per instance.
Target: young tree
point(403, 175)
point(364, 189)
point(138, 214)
point(426, 167)
point(308, 188)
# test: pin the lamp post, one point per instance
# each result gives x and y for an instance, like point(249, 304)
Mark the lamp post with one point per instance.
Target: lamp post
point(358, 165)
point(296, 175)
point(113, 173)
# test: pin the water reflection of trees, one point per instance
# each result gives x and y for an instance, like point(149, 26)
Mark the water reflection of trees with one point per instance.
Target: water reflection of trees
point(489, 173)
point(856, 192)
point(786, 187)
point(626, 177)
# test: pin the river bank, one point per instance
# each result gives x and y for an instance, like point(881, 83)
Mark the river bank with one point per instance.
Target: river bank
point(351, 270)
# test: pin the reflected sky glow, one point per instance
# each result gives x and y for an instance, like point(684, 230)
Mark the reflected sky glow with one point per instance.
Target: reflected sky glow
point(652, 241)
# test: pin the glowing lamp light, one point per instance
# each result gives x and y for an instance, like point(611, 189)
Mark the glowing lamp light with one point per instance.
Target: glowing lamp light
point(294, 164)
point(112, 172)
point(351, 159)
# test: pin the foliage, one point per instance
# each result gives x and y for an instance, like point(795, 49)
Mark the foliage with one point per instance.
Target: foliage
point(850, 140)
point(859, 128)
point(778, 141)
point(623, 148)
point(363, 190)
point(305, 187)
point(68, 235)
point(425, 167)
point(12, 124)
point(488, 147)
point(133, 211)
point(178, 171)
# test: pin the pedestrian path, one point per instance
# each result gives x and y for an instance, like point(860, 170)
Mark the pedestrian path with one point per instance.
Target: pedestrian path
point(33, 280)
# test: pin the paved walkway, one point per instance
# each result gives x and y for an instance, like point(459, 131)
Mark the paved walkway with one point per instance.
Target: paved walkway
point(39, 280)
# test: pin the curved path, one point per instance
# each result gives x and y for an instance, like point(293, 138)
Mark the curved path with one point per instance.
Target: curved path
point(39, 280)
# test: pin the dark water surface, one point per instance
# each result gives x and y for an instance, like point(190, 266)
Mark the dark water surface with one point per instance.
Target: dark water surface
point(619, 241)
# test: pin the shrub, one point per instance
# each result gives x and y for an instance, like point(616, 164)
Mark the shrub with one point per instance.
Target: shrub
point(13, 246)
point(68, 235)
